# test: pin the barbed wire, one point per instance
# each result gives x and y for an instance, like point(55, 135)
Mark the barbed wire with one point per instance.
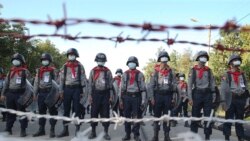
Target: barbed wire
point(118, 120)
point(120, 39)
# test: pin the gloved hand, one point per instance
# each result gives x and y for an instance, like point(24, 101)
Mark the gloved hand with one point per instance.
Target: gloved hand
point(224, 106)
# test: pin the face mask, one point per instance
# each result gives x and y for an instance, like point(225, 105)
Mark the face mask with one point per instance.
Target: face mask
point(72, 57)
point(237, 63)
point(203, 59)
point(164, 59)
point(100, 63)
point(118, 74)
point(131, 65)
point(45, 62)
point(181, 78)
point(16, 62)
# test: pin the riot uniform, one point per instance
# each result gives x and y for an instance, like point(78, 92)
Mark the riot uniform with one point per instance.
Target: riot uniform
point(133, 96)
point(2, 103)
point(42, 87)
point(101, 93)
point(234, 94)
point(201, 91)
point(13, 90)
point(163, 84)
point(72, 85)
point(117, 84)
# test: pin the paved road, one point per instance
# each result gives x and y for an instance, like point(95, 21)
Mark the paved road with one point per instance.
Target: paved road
point(116, 135)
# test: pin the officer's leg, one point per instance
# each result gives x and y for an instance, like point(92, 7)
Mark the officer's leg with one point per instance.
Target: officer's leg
point(158, 106)
point(95, 110)
point(52, 111)
point(76, 106)
point(185, 108)
point(208, 99)
point(136, 103)
point(240, 116)
point(42, 110)
point(167, 107)
point(105, 114)
point(196, 110)
point(127, 113)
point(230, 113)
point(10, 104)
point(23, 121)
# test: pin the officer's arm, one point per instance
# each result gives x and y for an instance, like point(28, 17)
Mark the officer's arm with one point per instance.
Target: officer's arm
point(91, 82)
point(36, 83)
point(190, 84)
point(5, 86)
point(111, 85)
point(28, 76)
point(61, 80)
point(143, 88)
point(212, 81)
point(122, 87)
point(83, 79)
point(225, 89)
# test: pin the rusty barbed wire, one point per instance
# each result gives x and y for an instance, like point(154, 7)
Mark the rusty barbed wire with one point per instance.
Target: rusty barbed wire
point(119, 39)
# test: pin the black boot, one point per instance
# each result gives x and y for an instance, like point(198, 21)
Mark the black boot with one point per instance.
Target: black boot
point(40, 132)
point(137, 138)
point(64, 133)
point(227, 138)
point(23, 133)
point(240, 138)
point(52, 132)
point(9, 131)
point(92, 134)
point(186, 124)
point(4, 116)
point(166, 136)
point(106, 135)
point(156, 136)
point(77, 129)
point(126, 138)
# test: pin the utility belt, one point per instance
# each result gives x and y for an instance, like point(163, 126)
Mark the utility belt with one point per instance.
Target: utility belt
point(163, 92)
point(102, 92)
point(133, 94)
point(73, 86)
point(201, 90)
point(21, 90)
point(240, 96)
point(45, 90)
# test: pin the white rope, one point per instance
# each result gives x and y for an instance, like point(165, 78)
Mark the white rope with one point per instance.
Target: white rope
point(118, 120)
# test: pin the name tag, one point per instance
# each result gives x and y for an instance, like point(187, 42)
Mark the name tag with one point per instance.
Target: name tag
point(165, 80)
point(103, 81)
point(18, 80)
point(46, 79)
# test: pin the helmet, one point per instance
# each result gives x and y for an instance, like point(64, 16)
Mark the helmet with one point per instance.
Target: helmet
point(201, 53)
point(133, 59)
point(163, 54)
point(46, 56)
point(119, 71)
point(181, 75)
point(234, 57)
point(100, 57)
point(72, 51)
point(18, 57)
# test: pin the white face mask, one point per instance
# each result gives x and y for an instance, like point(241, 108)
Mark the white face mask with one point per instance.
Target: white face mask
point(118, 74)
point(203, 59)
point(181, 78)
point(131, 65)
point(100, 63)
point(45, 62)
point(16, 62)
point(237, 63)
point(72, 57)
point(164, 59)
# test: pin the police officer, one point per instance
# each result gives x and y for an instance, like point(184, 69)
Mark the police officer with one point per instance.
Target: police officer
point(182, 102)
point(133, 96)
point(2, 103)
point(117, 84)
point(234, 93)
point(163, 83)
point(201, 91)
point(13, 89)
point(101, 93)
point(72, 85)
point(43, 85)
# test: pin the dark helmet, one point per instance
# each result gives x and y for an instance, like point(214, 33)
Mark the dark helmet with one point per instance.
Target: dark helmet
point(18, 57)
point(234, 57)
point(119, 71)
point(72, 51)
point(100, 57)
point(201, 53)
point(1, 70)
point(181, 75)
point(133, 59)
point(163, 54)
point(46, 56)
